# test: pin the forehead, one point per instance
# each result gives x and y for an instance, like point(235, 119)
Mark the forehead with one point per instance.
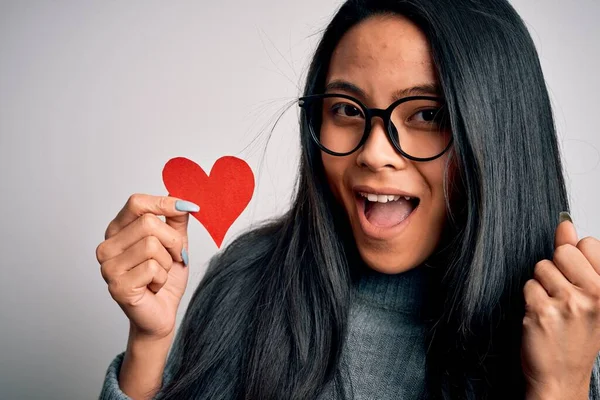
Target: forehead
point(383, 53)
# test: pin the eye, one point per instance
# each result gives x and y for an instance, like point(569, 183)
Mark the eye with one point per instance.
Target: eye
point(346, 110)
point(431, 115)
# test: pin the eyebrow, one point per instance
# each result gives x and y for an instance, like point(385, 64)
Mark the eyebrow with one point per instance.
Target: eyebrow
point(419, 90)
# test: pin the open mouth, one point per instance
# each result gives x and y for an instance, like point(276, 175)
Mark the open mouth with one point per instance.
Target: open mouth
point(386, 211)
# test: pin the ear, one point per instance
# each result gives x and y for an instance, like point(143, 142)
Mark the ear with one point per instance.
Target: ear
point(565, 231)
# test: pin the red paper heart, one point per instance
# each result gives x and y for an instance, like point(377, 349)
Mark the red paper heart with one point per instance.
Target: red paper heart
point(222, 195)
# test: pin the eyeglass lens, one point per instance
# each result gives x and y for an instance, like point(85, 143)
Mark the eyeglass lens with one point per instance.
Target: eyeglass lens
point(419, 126)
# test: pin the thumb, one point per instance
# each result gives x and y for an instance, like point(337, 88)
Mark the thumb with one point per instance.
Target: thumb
point(565, 231)
point(180, 224)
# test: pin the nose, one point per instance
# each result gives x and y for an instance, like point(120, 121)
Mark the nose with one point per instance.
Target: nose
point(378, 152)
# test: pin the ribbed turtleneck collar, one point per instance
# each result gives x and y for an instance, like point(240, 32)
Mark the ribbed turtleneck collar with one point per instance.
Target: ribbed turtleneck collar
point(404, 292)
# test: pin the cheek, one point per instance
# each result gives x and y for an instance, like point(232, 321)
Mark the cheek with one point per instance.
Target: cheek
point(433, 174)
point(336, 170)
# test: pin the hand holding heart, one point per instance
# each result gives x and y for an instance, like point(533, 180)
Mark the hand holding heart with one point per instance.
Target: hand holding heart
point(142, 258)
point(561, 327)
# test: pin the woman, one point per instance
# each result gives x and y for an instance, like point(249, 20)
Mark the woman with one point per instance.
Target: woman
point(429, 192)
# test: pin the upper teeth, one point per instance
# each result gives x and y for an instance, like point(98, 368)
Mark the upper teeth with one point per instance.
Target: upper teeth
point(382, 198)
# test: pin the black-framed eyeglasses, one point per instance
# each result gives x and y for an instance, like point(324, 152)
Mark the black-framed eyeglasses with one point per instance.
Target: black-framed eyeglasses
point(340, 124)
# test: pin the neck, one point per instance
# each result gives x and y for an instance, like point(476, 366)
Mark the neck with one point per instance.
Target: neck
point(405, 292)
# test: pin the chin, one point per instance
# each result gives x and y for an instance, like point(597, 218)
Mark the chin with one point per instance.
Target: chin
point(387, 262)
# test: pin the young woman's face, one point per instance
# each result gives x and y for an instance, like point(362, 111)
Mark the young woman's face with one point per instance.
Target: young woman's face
point(381, 56)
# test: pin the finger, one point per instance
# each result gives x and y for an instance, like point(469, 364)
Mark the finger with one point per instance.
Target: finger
point(144, 226)
point(145, 249)
point(575, 267)
point(565, 231)
point(179, 224)
point(535, 295)
point(590, 248)
point(551, 279)
point(149, 273)
point(140, 204)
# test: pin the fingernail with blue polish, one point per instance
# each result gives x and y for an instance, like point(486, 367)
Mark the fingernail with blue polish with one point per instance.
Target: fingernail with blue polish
point(564, 216)
point(188, 206)
point(184, 256)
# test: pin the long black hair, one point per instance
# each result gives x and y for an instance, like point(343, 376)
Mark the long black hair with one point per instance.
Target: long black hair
point(269, 318)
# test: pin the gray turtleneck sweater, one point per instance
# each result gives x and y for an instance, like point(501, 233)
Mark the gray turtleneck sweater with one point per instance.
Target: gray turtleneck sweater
point(384, 356)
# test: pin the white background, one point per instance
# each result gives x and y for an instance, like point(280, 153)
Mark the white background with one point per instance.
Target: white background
point(96, 96)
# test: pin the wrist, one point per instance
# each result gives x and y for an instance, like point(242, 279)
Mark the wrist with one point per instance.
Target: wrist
point(140, 345)
point(556, 392)
point(537, 393)
point(138, 334)
point(143, 366)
